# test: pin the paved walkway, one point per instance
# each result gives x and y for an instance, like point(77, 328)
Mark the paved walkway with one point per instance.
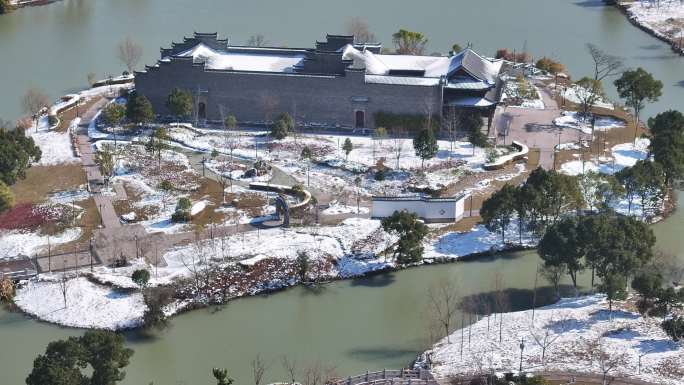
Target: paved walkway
point(534, 128)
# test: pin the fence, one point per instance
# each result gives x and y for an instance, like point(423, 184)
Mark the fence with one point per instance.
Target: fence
point(390, 377)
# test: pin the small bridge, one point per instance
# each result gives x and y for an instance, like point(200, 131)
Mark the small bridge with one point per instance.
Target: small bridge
point(390, 377)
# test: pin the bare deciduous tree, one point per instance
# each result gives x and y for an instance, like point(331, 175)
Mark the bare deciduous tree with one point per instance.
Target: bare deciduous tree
point(290, 367)
point(397, 145)
point(64, 283)
point(359, 28)
point(92, 79)
point(317, 374)
point(259, 367)
point(553, 274)
point(605, 65)
point(196, 262)
point(607, 360)
point(129, 53)
point(257, 40)
point(443, 304)
point(501, 300)
point(33, 103)
point(545, 337)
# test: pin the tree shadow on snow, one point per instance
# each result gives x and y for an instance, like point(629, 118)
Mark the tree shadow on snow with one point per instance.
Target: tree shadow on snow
point(657, 346)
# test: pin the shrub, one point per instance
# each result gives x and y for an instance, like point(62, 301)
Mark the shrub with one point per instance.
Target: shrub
point(183, 204)
point(6, 198)
point(5, 6)
point(141, 277)
point(180, 216)
point(156, 299)
point(407, 122)
point(518, 57)
point(298, 191)
point(23, 216)
point(165, 185)
point(674, 327)
point(648, 284)
point(52, 120)
point(380, 175)
point(549, 65)
point(6, 290)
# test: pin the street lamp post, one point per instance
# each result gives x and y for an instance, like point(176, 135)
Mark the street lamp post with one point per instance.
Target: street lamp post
point(522, 348)
point(91, 252)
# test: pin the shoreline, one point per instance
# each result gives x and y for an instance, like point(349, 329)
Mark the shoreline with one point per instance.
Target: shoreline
point(624, 9)
point(181, 307)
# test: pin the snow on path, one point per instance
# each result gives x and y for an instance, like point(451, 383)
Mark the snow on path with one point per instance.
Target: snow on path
point(573, 323)
point(88, 305)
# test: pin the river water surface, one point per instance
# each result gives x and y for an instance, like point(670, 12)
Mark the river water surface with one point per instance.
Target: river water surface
point(354, 325)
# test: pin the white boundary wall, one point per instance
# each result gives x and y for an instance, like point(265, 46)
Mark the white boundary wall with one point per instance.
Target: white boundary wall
point(428, 209)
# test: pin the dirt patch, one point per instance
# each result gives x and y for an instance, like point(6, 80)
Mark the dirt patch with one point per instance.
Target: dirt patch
point(42, 180)
point(88, 222)
point(604, 140)
point(66, 117)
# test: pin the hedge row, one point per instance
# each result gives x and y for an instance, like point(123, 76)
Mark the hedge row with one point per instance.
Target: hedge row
point(410, 123)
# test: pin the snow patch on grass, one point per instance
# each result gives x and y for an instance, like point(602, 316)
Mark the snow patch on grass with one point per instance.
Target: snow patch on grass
point(55, 146)
point(15, 243)
point(89, 305)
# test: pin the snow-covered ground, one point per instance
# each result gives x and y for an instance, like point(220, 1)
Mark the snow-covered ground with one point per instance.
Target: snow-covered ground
point(336, 208)
point(664, 17)
point(28, 243)
point(55, 146)
point(623, 155)
point(570, 329)
point(139, 171)
point(572, 119)
point(331, 168)
point(513, 98)
point(89, 305)
point(454, 245)
point(574, 93)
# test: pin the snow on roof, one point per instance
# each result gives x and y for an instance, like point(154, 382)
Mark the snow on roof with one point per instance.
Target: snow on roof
point(402, 80)
point(481, 69)
point(242, 61)
point(463, 83)
point(475, 65)
point(471, 102)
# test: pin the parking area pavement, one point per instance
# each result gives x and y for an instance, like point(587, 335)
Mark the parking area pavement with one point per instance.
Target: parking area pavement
point(535, 128)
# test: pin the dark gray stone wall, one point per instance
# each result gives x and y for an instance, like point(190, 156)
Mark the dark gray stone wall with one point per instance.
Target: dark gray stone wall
point(257, 97)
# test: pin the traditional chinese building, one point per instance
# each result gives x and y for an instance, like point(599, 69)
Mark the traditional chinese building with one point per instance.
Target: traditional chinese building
point(336, 84)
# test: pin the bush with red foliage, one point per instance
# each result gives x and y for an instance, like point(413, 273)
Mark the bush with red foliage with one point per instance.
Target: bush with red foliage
point(22, 216)
point(518, 57)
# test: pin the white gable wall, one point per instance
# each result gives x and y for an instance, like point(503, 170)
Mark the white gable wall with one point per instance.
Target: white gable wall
point(430, 210)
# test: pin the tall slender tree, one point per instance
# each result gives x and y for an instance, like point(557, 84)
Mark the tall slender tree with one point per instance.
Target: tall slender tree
point(497, 211)
point(667, 143)
point(637, 87)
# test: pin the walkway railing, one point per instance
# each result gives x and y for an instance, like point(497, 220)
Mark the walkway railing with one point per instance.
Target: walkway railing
point(390, 377)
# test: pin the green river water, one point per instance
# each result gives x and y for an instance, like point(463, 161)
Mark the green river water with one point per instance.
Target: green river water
point(354, 325)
